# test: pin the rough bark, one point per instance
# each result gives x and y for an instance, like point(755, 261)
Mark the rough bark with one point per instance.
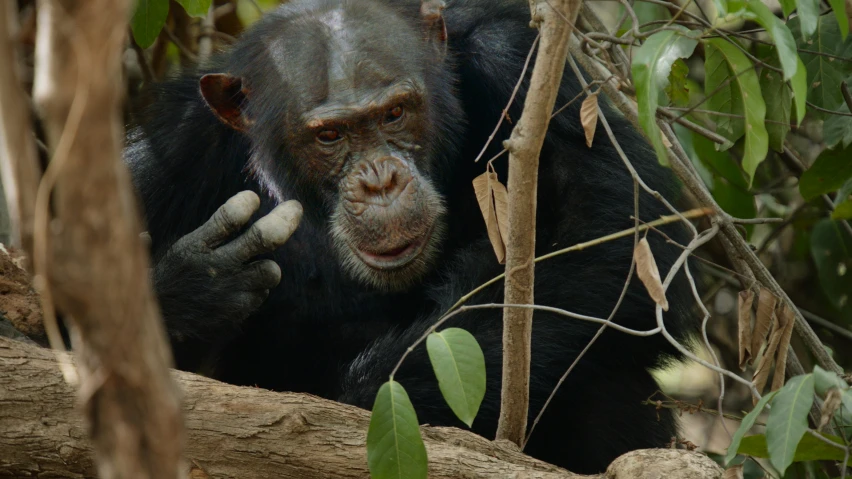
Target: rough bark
point(89, 253)
point(242, 432)
point(556, 19)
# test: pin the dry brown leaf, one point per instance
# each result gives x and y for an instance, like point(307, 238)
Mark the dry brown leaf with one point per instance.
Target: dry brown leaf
point(787, 320)
point(734, 472)
point(833, 400)
point(589, 117)
point(484, 187)
point(761, 374)
point(501, 207)
point(765, 307)
point(744, 303)
point(647, 270)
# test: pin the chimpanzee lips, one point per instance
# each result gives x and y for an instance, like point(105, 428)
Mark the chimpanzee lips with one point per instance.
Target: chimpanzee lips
point(395, 257)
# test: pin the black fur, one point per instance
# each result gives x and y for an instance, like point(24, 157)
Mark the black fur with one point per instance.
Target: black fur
point(323, 333)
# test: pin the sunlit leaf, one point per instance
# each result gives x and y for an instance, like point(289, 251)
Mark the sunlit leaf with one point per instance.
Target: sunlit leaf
point(742, 97)
point(799, 83)
point(788, 420)
point(785, 44)
point(828, 173)
point(196, 8)
point(808, 15)
point(148, 19)
point(652, 63)
point(825, 380)
point(745, 426)
point(395, 449)
point(460, 368)
point(841, 15)
point(810, 448)
point(843, 211)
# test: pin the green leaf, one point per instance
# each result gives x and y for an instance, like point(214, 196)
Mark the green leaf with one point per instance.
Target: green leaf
point(843, 211)
point(831, 249)
point(148, 19)
point(778, 101)
point(788, 420)
point(395, 449)
point(825, 71)
point(808, 16)
point(837, 129)
point(799, 83)
point(745, 425)
point(741, 96)
point(677, 91)
point(839, 7)
point(781, 36)
point(825, 380)
point(196, 8)
point(810, 448)
point(787, 6)
point(460, 367)
point(652, 63)
point(828, 173)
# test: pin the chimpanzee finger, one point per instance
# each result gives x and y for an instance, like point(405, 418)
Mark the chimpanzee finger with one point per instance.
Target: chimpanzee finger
point(260, 275)
point(228, 219)
point(251, 300)
point(266, 234)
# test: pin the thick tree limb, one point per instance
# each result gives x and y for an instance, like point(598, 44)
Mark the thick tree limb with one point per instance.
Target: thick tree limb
point(524, 148)
point(94, 263)
point(241, 432)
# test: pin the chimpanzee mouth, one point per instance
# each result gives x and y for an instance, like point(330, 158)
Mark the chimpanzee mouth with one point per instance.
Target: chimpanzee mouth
point(396, 257)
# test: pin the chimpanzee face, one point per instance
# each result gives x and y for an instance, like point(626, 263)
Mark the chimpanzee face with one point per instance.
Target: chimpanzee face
point(342, 117)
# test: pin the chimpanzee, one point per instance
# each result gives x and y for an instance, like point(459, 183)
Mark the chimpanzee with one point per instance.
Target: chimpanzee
point(370, 113)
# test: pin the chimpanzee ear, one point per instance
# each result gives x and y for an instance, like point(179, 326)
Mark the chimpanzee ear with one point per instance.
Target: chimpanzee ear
point(226, 96)
point(433, 22)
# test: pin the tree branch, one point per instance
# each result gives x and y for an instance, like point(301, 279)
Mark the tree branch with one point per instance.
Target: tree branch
point(239, 432)
point(524, 147)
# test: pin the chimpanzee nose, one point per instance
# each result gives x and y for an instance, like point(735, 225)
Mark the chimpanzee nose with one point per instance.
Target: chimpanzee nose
point(382, 180)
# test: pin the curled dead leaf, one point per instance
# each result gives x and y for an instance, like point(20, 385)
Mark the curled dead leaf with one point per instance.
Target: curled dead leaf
point(646, 268)
point(787, 320)
point(744, 304)
point(833, 400)
point(765, 308)
point(761, 374)
point(589, 117)
point(734, 472)
point(493, 201)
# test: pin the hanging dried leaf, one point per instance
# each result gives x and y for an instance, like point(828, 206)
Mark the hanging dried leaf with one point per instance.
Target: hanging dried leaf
point(787, 320)
point(833, 400)
point(765, 307)
point(589, 117)
point(647, 270)
point(488, 189)
point(501, 207)
point(744, 303)
point(761, 375)
point(734, 472)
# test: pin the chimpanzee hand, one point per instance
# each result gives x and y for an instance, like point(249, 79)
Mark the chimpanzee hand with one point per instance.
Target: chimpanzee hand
point(207, 284)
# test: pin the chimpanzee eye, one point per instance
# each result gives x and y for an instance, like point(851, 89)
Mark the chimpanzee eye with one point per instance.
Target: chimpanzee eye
point(394, 114)
point(329, 135)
